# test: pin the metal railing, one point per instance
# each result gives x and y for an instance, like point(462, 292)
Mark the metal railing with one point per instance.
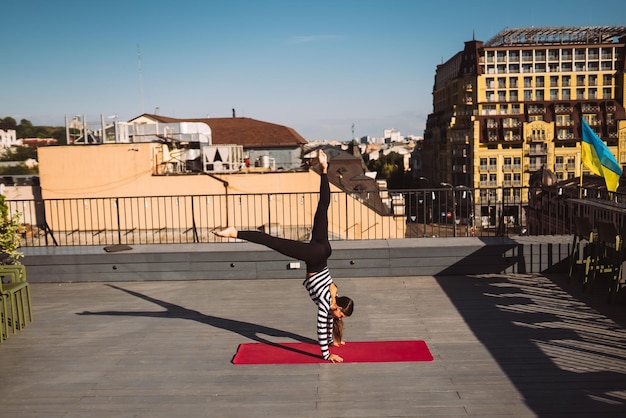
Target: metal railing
point(363, 215)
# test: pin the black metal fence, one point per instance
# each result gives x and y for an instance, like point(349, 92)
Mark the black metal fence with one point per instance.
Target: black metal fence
point(393, 214)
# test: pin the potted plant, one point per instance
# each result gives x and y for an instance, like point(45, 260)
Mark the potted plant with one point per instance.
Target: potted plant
point(10, 229)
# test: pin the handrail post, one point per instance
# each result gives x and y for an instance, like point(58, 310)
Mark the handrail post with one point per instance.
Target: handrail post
point(119, 226)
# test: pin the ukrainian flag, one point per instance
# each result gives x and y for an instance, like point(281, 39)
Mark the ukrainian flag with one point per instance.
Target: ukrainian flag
point(598, 158)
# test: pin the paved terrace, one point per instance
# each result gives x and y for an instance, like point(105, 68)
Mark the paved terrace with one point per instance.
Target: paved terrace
point(513, 342)
point(504, 345)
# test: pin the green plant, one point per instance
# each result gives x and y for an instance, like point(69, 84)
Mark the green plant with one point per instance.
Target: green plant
point(10, 228)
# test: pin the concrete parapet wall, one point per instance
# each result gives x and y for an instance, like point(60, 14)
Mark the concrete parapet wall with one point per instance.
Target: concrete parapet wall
point(246, 261)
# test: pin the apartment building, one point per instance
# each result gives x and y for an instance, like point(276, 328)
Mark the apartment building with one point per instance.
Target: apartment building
point(505, 108)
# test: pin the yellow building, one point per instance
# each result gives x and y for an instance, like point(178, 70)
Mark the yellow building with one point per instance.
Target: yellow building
point(508, 107)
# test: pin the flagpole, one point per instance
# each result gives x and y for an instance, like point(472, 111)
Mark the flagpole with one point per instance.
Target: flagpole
point(581, 180)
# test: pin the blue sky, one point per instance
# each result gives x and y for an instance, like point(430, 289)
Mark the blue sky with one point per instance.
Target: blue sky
point(316, 66)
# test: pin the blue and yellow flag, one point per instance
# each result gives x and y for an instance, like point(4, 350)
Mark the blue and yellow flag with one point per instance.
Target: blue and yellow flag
point(598, 158)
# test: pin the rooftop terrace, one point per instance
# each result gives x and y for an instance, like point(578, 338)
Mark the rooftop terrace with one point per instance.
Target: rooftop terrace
point(522, 345)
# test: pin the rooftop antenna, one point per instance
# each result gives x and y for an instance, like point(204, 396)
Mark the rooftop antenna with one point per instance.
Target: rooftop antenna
point(140, 77)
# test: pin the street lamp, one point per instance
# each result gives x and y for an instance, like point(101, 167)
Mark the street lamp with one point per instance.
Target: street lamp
point(428, 208)
point(453, 206)
point(467, 206)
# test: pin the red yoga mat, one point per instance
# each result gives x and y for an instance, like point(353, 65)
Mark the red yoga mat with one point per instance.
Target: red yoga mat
point(352, 352)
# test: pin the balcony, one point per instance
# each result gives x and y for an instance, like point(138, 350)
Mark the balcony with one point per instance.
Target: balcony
point(511, 124)
point(563, 108)
point(536, 110)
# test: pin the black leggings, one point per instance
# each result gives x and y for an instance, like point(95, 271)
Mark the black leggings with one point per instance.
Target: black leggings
point(314, 253)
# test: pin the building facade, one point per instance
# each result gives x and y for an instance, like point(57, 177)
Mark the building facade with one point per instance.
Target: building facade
point(506, 108)
point(7, 137)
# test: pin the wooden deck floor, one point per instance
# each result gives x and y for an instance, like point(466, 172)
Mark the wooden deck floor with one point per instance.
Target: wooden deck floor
point(504, 346)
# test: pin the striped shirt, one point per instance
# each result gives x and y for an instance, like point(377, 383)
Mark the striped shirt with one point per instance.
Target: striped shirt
point(318, 286)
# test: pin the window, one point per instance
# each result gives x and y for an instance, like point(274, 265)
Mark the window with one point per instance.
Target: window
point(563, 120)
point(528, 95)
point(554, 94)
point(513, 82)
point(565, 94)
point(483, 164)
point(539, 95)
point(540, 55)
point(528, 82)
point(501, 83)
point(606, 93)
point(566, 54)
point(558, 163)
point(553, 54)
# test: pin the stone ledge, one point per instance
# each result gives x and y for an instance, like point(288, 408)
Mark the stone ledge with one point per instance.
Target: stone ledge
point(242, 260)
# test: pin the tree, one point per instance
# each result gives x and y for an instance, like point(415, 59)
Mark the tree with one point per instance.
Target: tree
point(9, 121)
point(391, 168)
point(25, 129)
point(19, 154)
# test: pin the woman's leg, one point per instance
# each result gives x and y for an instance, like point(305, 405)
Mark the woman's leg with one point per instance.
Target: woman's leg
point(294, 249)
point(319, 232)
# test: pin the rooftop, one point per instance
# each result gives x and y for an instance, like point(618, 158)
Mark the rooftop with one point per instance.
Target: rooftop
point(558, 36)
point(527, 345)
point(250, 133)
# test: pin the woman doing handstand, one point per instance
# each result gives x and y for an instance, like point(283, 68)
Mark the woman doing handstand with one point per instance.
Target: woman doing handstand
point(315, 253)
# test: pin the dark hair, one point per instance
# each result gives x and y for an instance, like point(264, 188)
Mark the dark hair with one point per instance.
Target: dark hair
point(347, 306)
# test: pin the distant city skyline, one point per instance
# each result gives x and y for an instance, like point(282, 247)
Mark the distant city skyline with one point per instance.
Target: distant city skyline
point(318, 67)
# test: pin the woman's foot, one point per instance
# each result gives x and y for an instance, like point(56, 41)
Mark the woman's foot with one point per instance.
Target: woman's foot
point(339, 344)
point(323, 159)
point(229, 232)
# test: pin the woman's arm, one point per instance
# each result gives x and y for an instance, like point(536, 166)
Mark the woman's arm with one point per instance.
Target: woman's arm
point(333, 296)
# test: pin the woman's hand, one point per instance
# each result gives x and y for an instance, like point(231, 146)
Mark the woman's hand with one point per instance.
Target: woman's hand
point(334, 358)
